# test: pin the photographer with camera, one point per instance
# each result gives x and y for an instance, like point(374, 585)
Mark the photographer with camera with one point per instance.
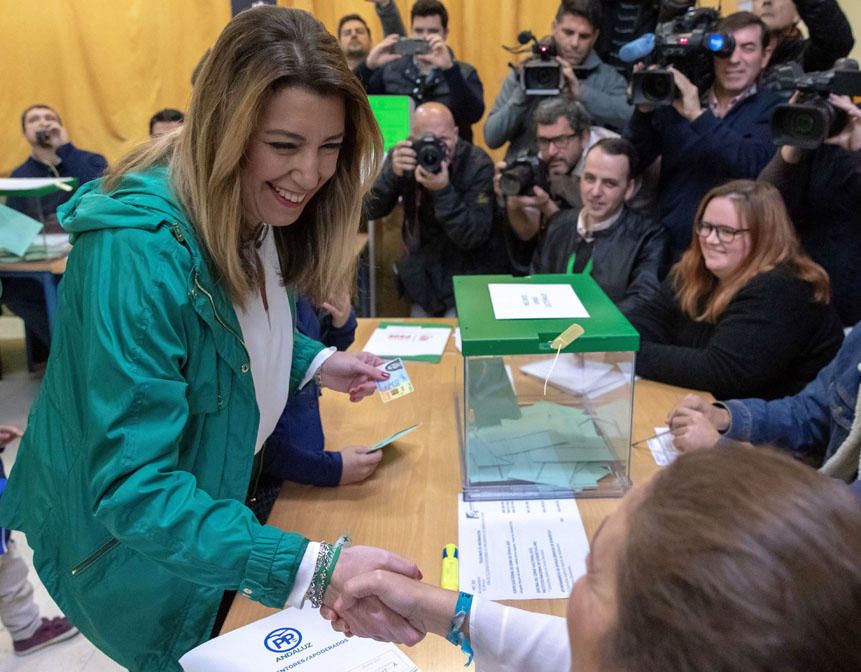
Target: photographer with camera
point(447, 188)
point(830, 35)
point(624, 250)
point(52, 155)
point(707, 139)
point(593, 83)
point(822, 190)
point(537, 188)
point(424, 68)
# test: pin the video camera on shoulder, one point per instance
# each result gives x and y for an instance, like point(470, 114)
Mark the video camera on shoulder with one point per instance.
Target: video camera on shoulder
point(688, 43)
point(522, 174)
point(430, 152)
point(811, 119)
point(542, 74)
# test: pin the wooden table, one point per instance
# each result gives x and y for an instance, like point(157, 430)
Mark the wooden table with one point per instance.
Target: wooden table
point(410, 504)
point(47, 273)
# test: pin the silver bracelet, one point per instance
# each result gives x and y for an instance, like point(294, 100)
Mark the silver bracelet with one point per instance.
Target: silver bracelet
point(318, 588)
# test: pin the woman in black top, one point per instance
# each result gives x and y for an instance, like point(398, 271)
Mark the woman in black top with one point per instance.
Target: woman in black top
point(744, 313)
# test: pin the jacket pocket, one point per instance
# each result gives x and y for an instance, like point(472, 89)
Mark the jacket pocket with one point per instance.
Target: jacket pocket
point(94, 557)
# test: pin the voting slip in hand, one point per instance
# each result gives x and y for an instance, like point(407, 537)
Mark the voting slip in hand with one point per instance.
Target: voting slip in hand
point(398, 383)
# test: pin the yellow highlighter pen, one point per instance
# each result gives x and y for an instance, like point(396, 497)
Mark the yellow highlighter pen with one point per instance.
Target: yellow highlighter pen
point(450, 575)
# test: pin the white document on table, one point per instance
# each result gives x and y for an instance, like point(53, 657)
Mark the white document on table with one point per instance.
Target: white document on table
point(530, 302)
point(521, 549)
point(406, 341)
point(295, 639)
point(662, 447)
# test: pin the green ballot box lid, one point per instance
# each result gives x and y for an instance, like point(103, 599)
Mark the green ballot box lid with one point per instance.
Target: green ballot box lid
point(517, 324)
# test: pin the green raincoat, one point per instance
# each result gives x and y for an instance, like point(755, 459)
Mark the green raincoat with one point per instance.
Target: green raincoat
point(131, 477)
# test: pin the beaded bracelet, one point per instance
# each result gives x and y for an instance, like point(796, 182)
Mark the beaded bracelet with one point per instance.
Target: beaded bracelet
point(455, 636)
point(343, 541)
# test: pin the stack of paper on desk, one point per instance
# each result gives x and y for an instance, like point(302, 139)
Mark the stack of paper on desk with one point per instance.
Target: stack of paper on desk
point(549, 444)
point(579, 375)
point(423, 342)
point(521, 549)
point(296, 639)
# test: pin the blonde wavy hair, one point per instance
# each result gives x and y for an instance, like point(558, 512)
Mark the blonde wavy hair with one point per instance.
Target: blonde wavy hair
point(261, 52)
point(773, 242)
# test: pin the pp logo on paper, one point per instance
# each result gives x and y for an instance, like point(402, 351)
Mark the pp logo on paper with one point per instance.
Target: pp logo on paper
point(282, 640)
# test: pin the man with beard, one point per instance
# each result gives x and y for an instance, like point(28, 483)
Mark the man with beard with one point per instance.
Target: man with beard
point(354, 34)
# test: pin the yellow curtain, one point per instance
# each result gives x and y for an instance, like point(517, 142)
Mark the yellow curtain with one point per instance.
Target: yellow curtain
point(108, 66)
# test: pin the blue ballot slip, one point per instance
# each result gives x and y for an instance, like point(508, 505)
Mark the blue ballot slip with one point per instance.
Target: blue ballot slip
point(17, 231)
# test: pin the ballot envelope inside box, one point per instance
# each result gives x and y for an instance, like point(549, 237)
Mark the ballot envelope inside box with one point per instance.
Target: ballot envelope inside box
point(522, 438)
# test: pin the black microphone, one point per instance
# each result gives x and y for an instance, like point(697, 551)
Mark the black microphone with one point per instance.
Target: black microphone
point(525, 37)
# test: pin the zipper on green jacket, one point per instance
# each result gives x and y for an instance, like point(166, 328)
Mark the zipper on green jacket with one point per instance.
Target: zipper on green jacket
point(94, 558)
point(177, 233)
point(219, 318)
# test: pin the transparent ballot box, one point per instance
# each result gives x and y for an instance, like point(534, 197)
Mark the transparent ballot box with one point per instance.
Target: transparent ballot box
point(542, 417)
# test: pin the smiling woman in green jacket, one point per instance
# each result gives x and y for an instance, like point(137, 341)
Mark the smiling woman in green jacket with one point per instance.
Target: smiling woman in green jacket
point(175, 351)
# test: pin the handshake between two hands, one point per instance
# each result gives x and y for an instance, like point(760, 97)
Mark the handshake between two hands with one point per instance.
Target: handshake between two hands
point(378, 594)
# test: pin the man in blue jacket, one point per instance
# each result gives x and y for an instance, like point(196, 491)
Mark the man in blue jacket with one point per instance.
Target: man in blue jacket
point(52, 155)
point(707, 138)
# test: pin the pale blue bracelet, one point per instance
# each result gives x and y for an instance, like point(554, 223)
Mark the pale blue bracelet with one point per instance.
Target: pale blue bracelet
point(455, 636)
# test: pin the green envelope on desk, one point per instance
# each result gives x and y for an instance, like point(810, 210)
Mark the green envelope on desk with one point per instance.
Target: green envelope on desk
point(17, 231)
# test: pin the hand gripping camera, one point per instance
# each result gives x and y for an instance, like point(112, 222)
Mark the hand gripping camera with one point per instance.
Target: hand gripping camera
point(688, 43)
point(430, 152)
point(811, 119)
point(522, 174)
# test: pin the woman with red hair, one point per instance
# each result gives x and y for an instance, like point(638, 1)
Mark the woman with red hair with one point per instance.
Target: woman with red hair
point(744, 312)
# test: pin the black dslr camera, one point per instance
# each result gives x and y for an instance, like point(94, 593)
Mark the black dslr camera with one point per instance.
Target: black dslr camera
point(688, 43)
point(522, 174)
point(811, 119)
point(430, 152)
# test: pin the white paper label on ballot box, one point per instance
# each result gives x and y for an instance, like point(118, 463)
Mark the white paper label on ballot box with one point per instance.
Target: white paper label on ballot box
point(294, 639)
point(533, 302)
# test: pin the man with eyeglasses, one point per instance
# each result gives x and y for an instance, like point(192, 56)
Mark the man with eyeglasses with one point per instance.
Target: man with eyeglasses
point(707, 138)
point(434, 76)
point(563, 132)
point(622, 249)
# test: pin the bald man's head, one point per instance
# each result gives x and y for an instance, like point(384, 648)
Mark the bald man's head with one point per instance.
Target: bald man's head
point(436, 119)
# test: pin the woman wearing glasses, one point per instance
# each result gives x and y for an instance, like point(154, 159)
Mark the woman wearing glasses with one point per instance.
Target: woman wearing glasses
point(744, 312)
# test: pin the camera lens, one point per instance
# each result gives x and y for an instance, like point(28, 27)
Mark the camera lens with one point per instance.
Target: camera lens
point(430, 159)
point(516, 181)
point(658, 88)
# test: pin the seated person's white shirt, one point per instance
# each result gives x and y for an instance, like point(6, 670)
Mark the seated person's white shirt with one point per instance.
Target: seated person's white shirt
point(268, 337)
point(505, 639)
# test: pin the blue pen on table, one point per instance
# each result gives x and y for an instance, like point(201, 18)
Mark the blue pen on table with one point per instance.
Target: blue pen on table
point(450, 579)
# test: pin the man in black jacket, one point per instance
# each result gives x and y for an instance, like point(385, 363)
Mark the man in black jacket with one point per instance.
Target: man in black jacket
point(822, 190)
point(435, 76)
point(448, 214)
point(829, 30)
point(622, 249)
